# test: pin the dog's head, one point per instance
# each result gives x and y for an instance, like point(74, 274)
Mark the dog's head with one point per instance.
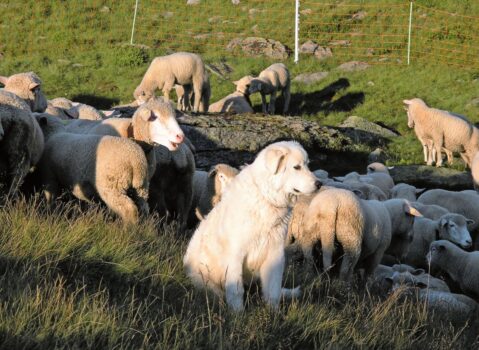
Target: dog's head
point(284, 172)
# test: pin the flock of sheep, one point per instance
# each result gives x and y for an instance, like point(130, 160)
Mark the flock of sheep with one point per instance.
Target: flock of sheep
point(253, 220)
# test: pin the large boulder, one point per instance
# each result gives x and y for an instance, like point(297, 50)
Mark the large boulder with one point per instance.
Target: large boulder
point(256, 46)
point(310, 78)
point(423, 176)
point(364, 131)
point(353, 66)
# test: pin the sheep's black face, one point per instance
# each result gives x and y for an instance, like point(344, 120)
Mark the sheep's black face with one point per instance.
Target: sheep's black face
point(39, 101)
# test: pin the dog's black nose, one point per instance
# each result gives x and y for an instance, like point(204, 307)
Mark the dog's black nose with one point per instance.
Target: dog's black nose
point(318, 184)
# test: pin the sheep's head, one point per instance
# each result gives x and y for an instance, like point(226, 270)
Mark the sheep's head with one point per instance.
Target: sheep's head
point(409, 106)
point(27, 86)
point(243, 85)
point(142, 96)
point(155, 122)
point(453, 227)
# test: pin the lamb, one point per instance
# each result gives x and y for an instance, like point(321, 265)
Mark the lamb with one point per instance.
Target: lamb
point(270, 81)
point(208, 188)
point(27, 86)
point(164, 72)
point(405, 191)
point(66, 109)
point(186, 96)
point(462, 267)
point(451, 227)
point(438, 130)
point(464, 203)
point(475, 171)
point(112, 168)
point(233, 103)
point(17, 143)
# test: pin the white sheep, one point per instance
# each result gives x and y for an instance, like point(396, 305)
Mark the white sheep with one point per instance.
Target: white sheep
point(464, 203)
point(451, 227)
point(377, 174)
point(112, 168)
point(270, 81)
point(361, 189)
point(208, 188)
point(438, 130)
point(164, 72)
point(27, 86)
point(461, 266)
point(235, 102)
point(406, 191)
point(66, 109)
point(475, 171)
point(186, 96)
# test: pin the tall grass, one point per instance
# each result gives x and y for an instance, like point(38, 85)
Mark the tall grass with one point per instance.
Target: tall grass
point(77, 278)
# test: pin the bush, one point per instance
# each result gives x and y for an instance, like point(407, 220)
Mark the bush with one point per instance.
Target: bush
point(130, 56)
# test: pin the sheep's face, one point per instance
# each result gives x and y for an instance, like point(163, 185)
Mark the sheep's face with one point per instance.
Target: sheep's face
point(439, 253)
point(243, 84)
point(142, 96)
point(453, 227)
point(38, 102)
point(28, 87)
point(255, 86)
point(287, 169)
point(162, 125)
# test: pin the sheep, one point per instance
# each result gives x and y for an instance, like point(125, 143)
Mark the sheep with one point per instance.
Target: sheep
point(112, 168)
point(405, 191)
point(66, 109)
point(451, 227)
point(186, 96)
point(17, 144)
point(235, 102)
point(27, 86)
point(362, 190)
point(438, 130)
point(377, 174)
point(432, 212)
point(464, 203)
point(461, 266)
point(475, 171)
point(321, 174)
point(165, 71)
point(378, 167)
point(270, 81)
point(208, 188)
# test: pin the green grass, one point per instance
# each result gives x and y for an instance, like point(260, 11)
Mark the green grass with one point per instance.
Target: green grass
point(77, 278)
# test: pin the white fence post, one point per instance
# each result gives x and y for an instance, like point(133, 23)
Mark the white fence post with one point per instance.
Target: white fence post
point(296, 33)
point(409, 35)
point(134, 21)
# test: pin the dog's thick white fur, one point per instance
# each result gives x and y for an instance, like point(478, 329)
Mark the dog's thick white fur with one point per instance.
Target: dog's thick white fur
point(243, 237)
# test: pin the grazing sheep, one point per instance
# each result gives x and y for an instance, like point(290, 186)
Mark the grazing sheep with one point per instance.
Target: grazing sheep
point(464, 203)
point(406, 191)
point(438, 130)
point(17, 145)
point(451, 227)
point(432, 212)
point(270, 81)
point(235, 103)
point(475, 171)
point(186, 96)
point(164, 72)
point(208, 188)
point(114, 169)
point(27, 86)
point(243, 237)
point(461, 266)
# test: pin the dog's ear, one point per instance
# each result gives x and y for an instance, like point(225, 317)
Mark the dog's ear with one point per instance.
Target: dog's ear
point(275, 159)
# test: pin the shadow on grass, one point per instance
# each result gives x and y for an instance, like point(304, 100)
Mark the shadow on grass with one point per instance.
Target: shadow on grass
point(99, 102)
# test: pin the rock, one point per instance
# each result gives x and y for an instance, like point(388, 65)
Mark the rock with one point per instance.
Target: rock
point(235, 2)
point(369, 51)
point(340, 43)
point(256, 46)
point(364, 131)
point(105, 9)
point(371, 83)
point(253, 12)
point(214, 19)
point(63, 61)
point(358, 16)
point(202, 36)
point(423, 176)
point(221, 69)
point(310, 78)
point(475, 102)
point(192, 2)
point(378, 155)
point(308, 47)
point(255, 29)
point(77, 65)
point(167, 14)
point(322, 53)
point(306, 12)
point(353, 66)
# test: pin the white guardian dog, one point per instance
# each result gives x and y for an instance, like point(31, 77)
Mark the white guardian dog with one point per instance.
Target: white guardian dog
point(243, 237)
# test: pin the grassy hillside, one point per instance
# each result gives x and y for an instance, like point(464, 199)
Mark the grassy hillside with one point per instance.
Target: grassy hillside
point(76, 278)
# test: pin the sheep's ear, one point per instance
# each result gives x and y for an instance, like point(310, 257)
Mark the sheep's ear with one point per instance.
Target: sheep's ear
point(420, 190)
point(407, 102)
point(418, 272)
point(275, 160)
point(408, 209)
point(370, 168)
point(390, 167)
point(147, 115)
point(389, 280)
point(470, 222)
point(443, 222)
point(421, 285)
point(236, 82)
point(359, 193)
point(42, 121)
point(33, 86)
point(212, 172)
point(339, 178)
point(3, 80)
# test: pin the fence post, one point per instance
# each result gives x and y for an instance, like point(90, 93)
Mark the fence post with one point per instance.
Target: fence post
point(409, 34)
point(296, 33)
point(134, 21)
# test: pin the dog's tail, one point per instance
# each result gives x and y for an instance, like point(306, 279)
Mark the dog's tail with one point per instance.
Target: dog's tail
point(291, 293)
